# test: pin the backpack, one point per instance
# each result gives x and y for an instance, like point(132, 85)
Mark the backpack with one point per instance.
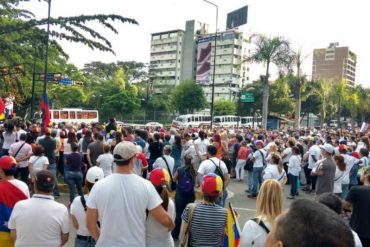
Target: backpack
point(218, 171)
point(185, 181)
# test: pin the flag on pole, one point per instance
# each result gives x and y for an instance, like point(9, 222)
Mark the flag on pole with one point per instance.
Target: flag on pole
point(44, 108)
point(364, 127)
point(2, 109)
point(232, 231)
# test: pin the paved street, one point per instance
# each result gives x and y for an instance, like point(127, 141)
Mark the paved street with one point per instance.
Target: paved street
point(238, 197)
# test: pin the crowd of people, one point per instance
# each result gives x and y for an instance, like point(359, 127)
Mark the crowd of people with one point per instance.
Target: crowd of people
point(130, 174)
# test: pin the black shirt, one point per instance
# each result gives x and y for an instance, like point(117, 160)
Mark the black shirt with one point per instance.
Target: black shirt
point(155, 150)
point(359, 197)
point(49, 145)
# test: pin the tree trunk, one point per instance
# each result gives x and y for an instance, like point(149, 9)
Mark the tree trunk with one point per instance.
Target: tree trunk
point(297, 119)
point(265, 97)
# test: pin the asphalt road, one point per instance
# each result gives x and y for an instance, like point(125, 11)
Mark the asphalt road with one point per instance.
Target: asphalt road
point(245, 207)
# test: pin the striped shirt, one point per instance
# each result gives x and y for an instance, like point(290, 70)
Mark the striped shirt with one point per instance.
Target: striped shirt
point(207, 226)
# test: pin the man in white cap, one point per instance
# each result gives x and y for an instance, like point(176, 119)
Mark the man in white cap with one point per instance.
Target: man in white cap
point(325, 170)
point(120, 202)
point(78, 209)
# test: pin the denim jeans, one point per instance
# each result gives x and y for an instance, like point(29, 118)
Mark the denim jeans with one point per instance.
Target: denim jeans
point(23, 172)
point(85, 243)
point(222, 200)
point(181, 200)
point(345, 189)
point(250, 181)
point(293, 185)
point(53, 169)
point(73, 179)
point(257, 179)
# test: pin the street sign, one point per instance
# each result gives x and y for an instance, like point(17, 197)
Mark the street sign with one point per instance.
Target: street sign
point(66, 81)
point(247, 98)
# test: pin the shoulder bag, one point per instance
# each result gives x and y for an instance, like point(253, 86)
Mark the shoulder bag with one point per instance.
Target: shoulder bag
point(172, 183)
point(185, 239)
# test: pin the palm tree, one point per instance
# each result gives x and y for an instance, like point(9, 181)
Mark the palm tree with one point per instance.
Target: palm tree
point(297, 60)
point(322, 90)
point(275, 50)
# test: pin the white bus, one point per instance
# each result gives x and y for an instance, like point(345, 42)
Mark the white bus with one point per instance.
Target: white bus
point(74, 115)
point(246, 122)
point(193, 120)
point(226, 121)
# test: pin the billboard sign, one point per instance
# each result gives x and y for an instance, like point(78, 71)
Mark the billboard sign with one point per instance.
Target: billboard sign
point(237, 18)
point(204, 61)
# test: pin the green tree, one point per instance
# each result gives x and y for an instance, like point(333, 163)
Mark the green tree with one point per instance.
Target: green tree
point(188, 96)
point(280, 94)
point(269, 51)
point(321, 89)
point(225, 107)
point(340, 96)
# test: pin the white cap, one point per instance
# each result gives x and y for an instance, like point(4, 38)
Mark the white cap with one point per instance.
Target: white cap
point(327, 148)
point(94, 174)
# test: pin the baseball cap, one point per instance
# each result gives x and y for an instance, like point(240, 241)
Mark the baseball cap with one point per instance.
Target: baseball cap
point(342, 147)
point(259, 142)
point(327, 148)
point(94, 174)
point(212, 184)
point(7, 162)
point(124, 151)
point(356, 155)
point(158, 176)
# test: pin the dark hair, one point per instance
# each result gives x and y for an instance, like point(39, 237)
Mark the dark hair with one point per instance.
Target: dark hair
point(177, 141)
point(212, 150)
point(295, 150)
point(71, 137)
point(118, 137)
point(10, 172)
point(9, 127)
point(365, 140)
point(326, 228)
point(99, 137)
point(106, 148)
point(39, 150)
point(277, 160)
point(364, 152)
point(211, 199)
point(156, 137)
point(340, 162)
point(202, 135)
point(291, 143)
point(74, 147)
point(164, 194)
point(167, 149)
point(332, 201)
point(167, 137)
point(23, 137)
point(189, 167)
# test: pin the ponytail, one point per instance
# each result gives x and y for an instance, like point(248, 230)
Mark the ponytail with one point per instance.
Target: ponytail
point(165, 195)
point(277, 160)
point(280, 165)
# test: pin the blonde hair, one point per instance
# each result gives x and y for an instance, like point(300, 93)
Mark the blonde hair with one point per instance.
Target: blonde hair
point(270, 200)
point(224, 136)
point(273, 148)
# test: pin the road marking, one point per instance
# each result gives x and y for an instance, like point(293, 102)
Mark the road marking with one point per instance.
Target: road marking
point(245, 209)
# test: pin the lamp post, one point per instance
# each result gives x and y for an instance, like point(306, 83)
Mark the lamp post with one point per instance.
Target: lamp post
point(47, 54)
point(214, 65)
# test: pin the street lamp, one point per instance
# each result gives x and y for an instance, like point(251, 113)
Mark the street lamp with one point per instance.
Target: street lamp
point(214, 65)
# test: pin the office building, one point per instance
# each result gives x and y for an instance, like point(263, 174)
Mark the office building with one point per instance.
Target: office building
point(334, 64)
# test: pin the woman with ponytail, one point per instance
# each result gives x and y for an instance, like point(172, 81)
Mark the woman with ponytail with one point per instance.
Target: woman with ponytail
point(156, 234)
point(275, 169)
point(185, 194)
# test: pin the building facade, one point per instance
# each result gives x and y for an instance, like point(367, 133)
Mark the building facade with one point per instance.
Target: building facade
point(334, 64)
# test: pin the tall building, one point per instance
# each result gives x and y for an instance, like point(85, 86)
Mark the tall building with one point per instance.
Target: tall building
point(334, 64)
point(231, 73)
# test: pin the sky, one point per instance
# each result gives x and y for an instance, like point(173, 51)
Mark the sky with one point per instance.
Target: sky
point(307, 24)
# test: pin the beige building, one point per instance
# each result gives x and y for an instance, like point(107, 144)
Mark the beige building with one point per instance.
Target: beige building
point(334, 64)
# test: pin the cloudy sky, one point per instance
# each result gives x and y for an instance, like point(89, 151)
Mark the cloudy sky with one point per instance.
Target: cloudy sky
point(307, 24)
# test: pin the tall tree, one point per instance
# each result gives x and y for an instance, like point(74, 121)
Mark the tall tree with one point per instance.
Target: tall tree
point(188, 96)
point(322, 91)
point(269, 51)
point(225, 107)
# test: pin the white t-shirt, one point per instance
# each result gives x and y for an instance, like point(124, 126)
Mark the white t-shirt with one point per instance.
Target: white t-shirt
point(350, 161)
point(338, 179)
point(156, 234)
point(207, 166)
point(202, 145)
point(253, 234)
point(259, 158)
point(159, 162)
point(272, 172)
point(20, 185)
point(78, 211)
point(9, 139)
point(122, 201)
point(294, 165)
point(106, 163)
point(38, 163)
point(39, 222)
point(313, 151)
point(288, 153)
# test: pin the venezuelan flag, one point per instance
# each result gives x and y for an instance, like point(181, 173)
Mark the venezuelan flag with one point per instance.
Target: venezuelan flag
point(9, 196)
point(232, 231)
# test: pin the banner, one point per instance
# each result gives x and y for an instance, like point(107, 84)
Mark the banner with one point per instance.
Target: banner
point(364, 127)
point(44, 108)
point(203, 61)
point(2, 109)
point(232, 231)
